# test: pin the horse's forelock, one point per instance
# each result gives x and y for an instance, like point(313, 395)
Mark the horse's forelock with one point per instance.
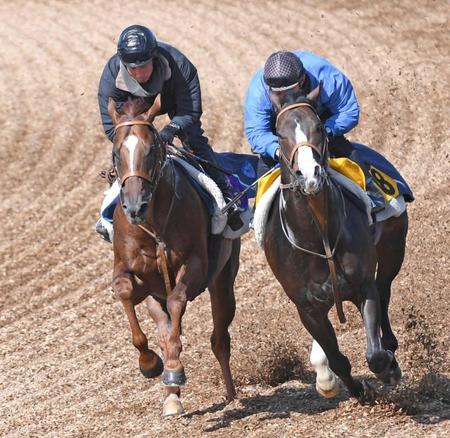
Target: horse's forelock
point(134, 107)
point(296, 97)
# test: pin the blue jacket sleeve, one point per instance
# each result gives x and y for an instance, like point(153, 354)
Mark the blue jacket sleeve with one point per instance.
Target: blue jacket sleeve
point(259, 118)
point(339, 97)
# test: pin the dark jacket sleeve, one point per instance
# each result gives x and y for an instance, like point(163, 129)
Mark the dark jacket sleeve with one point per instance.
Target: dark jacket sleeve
point(106, 89)
point(186, 90)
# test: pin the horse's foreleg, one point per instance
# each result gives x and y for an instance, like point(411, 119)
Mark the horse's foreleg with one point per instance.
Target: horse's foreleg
point(320, 328)
point(223, 307)
point(150, 363)
point(327, 384)
point(378, 359)
point(173, 374)
point(172, 404)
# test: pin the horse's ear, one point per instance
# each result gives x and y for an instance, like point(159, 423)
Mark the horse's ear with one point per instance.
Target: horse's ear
point(154, 109)
point(313, 95)
point(112, 110)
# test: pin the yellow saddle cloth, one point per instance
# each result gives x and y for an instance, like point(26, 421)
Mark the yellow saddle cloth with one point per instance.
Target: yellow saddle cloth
point(347, 167)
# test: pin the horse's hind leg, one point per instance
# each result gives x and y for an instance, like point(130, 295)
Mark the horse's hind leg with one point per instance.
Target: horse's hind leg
point(150, 363)
point(390, 255)
point(223, 308)
point(378, 359)
point(320, 328)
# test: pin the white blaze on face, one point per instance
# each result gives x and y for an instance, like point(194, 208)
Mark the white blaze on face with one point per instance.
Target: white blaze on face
point(130, 143)
point(306, 162)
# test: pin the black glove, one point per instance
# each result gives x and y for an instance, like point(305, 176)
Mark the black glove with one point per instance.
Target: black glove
point(168, 133)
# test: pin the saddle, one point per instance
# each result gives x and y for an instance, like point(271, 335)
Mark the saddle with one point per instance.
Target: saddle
point(349, 176)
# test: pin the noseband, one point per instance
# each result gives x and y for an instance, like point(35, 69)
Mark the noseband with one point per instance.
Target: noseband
point(152, 180)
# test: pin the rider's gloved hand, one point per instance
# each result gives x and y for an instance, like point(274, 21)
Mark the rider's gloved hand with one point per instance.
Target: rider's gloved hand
point(277, 154)
point(168, 133)
point(329, 133)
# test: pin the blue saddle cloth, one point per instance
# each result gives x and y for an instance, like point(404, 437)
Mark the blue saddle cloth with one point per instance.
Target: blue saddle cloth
point(242, 169)
point(377, 160)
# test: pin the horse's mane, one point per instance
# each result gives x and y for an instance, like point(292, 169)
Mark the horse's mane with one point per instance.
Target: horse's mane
point(134, 106)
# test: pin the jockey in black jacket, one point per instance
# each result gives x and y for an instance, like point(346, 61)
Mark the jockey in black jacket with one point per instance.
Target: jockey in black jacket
point(144, 67)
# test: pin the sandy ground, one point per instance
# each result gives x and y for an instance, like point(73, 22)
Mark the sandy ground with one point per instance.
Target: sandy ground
point(68, 367)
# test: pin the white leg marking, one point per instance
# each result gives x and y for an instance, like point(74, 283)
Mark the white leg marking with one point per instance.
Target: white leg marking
point(131, 142)
point(327, 384)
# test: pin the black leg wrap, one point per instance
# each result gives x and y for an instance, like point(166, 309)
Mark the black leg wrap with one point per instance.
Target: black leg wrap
point(174, 377)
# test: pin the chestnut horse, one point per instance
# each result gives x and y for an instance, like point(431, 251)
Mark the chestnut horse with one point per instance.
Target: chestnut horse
point(321, 249)
point(163, 251)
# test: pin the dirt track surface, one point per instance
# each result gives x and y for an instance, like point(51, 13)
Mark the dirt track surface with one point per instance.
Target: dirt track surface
point(68, 367)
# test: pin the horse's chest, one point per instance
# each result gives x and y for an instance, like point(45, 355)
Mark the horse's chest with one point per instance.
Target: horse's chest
point(143, 262)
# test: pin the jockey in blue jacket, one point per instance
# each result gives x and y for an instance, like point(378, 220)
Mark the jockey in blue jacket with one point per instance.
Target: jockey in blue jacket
point(144, 67)
point(337, 107)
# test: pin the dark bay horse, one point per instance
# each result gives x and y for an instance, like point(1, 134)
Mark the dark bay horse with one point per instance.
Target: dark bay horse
point(163, 252)
point(322, 250)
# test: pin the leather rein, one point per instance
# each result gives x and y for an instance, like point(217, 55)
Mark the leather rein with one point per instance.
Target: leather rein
point(329, 253)
point(162, 253)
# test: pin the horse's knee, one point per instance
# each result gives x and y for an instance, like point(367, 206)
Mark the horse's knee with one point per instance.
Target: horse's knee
point(123, 288)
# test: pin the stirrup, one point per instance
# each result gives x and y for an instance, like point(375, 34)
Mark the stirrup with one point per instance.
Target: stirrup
point(234, 213)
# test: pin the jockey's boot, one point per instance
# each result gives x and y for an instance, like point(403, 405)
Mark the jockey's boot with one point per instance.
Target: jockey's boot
point(234, 212)
point(378, 201)
point(101, 229)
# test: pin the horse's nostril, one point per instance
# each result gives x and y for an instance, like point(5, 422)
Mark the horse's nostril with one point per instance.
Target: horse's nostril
point(142, 208)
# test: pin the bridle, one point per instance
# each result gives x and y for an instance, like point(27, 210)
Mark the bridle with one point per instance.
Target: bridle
point(162, 253)
point(298, 180)
point(294, 186)
point(314, 147)
point(156, 174)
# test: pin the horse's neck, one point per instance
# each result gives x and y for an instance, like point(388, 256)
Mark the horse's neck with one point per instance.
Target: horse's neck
point(324, 209)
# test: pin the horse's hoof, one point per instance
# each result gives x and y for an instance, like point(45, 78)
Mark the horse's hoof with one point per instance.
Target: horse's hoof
point(172, 406)
point(380, 362)
point(328, 389)
point(392, 376)
point(174, 377)
point(154, 370)
point(368, 394)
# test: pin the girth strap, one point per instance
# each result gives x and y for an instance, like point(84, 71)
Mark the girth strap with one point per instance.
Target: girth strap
point(161, 258)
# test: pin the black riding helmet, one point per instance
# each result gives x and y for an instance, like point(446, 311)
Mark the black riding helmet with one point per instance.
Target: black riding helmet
point(283, 70)
point(136, 46)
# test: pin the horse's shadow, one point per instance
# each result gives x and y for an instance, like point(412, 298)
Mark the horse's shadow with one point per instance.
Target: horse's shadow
point(280, 404)
point(427, 402)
